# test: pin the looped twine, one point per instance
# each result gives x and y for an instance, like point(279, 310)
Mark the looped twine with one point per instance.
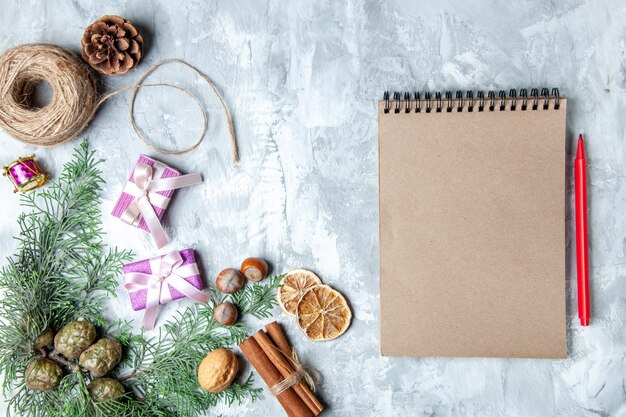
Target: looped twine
point(310, 376)
point(75, 97)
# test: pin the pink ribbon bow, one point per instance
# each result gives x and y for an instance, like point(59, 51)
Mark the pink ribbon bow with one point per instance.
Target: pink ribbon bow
point(166, 270)
point(145, 190)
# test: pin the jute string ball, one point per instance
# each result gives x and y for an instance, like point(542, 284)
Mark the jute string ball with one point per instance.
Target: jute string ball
point(74, 94)
point(75, 98)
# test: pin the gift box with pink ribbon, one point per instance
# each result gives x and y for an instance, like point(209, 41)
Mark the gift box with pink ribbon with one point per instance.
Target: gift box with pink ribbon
point(147, 194)
point(162, 279)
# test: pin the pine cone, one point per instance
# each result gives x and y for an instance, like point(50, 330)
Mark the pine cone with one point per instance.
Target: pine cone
point(74, 338)
point(43, 375)
point(102, 389)
point(44, 339)
point(101, 357)
point(112, 45)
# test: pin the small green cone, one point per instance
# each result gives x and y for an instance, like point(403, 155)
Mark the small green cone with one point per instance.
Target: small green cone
point(74, 338)
point(102, 389)
point(101, 357)
point(43, 374)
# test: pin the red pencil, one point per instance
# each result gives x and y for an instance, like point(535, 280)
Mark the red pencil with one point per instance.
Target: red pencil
point(582, 257)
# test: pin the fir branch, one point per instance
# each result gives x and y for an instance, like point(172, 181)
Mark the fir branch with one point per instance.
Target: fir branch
point(257, 300)
point(167, 373)
point(59, 273)
point(238, 392)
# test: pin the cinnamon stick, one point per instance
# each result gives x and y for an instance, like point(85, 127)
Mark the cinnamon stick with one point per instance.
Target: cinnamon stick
point(286, 369)
point(290, 401)
point(277, 335)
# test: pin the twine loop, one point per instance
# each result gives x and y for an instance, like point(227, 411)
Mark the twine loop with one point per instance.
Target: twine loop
point(310, 376)
point(75, 98)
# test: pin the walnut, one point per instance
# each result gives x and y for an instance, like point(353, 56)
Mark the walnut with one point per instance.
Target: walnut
point(218, 370)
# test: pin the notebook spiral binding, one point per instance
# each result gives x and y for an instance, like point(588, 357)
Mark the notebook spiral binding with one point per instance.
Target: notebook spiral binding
point(415, 102)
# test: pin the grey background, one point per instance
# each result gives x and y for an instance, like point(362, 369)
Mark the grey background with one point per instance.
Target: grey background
point(301, 79)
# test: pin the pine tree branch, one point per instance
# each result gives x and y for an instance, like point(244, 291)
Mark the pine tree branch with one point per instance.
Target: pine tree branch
point(58, 274)
point(62, 273)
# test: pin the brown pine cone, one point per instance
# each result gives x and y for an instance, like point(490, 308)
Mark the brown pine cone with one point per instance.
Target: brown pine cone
point(44, 339)
point(43, 374)
point(74, 338)
point(112, 45)
point(102, 389)
point(101, 357)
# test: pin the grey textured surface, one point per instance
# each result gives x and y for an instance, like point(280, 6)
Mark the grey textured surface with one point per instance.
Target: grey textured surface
point(301, 79)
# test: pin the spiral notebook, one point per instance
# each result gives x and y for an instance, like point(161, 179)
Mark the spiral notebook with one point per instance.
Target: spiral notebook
point(472, 224)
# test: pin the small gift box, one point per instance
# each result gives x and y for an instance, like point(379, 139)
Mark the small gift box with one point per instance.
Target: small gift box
point(147, 194)
point(162, 279)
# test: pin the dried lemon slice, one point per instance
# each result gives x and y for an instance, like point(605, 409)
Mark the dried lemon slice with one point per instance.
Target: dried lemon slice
point(295, 283)
point(323, 313)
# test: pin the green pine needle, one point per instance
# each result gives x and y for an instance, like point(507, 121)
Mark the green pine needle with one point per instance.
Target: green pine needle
point(59, 273)
point(257, 300)
point(62, 273)
point(165, 370)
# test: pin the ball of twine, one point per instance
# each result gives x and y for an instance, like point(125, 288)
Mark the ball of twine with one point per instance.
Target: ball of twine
point(74, 98)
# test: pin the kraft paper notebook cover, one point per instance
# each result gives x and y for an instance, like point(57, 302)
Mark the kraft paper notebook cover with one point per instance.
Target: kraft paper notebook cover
point(472, 228)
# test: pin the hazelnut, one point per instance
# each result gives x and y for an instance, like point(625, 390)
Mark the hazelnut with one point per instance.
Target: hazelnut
point(254, 269)
point(225, 313)
point(230, 281)
point(217, 370)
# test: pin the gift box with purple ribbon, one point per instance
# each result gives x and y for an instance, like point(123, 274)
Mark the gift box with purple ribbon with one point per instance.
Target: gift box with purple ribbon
point(162, 279)
point(147, 194)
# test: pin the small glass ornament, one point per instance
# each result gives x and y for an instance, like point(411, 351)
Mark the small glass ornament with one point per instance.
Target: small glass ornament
point(25, 174)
